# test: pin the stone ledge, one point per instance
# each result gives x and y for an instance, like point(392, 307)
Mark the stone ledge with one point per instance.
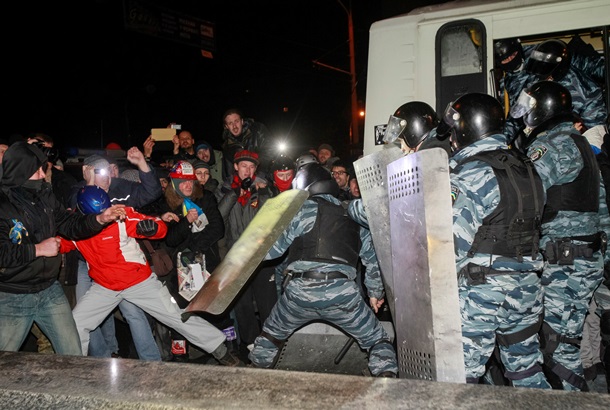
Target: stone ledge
point(31, 380)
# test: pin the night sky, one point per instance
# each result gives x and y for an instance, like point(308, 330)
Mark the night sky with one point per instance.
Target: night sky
point(76, 73)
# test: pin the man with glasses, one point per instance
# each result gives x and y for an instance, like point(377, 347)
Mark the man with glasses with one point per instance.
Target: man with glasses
point(340, 174)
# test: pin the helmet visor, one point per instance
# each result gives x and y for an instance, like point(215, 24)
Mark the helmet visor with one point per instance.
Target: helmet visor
point(542, 64)
point(443, 128)
point(394, 129)
point(451, 117)
point(525, 103)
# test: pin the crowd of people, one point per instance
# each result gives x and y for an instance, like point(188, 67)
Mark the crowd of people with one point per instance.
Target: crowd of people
point(528, 173)
point(196, 208)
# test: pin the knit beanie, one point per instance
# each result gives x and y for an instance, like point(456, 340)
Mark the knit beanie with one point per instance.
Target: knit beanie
point(328, 147)
point(200, 164)
point(97, 162)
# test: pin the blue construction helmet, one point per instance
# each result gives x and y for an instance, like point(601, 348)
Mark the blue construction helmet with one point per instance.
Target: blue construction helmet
point(92, 199)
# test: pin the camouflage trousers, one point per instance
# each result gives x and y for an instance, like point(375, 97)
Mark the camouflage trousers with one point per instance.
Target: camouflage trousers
point(503, 305)
point(568, 290)
point(336, 301)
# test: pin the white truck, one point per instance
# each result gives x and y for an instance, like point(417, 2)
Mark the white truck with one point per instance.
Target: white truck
point(438, 53)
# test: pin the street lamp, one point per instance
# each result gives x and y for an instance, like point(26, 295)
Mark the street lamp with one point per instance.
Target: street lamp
point(355, 135)
point(354, 129)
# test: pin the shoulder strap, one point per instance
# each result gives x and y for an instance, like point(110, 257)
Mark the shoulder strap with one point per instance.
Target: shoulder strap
point(148, 245)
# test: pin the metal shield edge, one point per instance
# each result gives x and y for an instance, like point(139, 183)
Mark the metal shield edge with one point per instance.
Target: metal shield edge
point(247, 253)
point(371, 172)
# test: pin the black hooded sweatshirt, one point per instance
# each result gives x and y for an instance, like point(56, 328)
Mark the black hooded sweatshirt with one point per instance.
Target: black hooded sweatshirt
point(29, 214)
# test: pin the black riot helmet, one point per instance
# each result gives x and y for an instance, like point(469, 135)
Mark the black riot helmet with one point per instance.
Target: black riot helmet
point(550, 58)
point(412, 122)
point(316, 179)
point(471, 118)
point(508, 54)
point(542, 101)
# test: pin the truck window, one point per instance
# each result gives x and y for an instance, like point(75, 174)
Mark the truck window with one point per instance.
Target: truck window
point(461, 61)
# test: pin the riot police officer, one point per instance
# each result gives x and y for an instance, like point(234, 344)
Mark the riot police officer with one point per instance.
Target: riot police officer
point(573, 224)
point(497, 204)
point(321, 273)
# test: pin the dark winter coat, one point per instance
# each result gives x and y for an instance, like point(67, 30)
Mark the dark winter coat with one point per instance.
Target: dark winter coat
point(27, 217)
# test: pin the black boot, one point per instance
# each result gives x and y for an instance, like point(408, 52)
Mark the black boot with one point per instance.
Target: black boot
point(225, 357)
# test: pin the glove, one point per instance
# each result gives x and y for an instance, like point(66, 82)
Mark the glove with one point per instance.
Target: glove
point(246, 184)
point(147, 227)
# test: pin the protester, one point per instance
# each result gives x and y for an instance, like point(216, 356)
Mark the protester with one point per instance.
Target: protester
point(30, 219)
point(243, 195)
point(244, 134)
point(121, 272)
point(96, 171)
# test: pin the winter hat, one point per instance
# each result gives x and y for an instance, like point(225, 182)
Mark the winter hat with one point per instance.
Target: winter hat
point(245, 155)
point(161, 172)
point(97, 162)
point(202, 146)
point(328, 147)
point(200, 164)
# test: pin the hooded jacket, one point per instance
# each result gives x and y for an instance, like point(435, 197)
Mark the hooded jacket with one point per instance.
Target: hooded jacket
point(29, 215)
point(215, 163)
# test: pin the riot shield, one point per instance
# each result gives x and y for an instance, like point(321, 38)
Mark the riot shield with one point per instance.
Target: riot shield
point(427, 317)
point(371, 172)
point(247, 253)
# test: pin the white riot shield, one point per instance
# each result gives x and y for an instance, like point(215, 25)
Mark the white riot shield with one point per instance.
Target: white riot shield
point(371, 172)
point(427, 317)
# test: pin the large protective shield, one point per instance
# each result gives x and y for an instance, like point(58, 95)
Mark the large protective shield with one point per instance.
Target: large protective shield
point(247, 253)
point(427, 318)
point(371, 172)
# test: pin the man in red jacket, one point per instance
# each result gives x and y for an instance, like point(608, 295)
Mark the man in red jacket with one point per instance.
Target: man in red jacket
point(120, 271)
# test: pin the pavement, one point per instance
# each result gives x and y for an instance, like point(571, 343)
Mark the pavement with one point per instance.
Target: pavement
point(36, 381)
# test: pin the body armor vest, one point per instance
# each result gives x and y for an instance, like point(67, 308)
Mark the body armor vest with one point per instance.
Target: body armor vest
point(580, 195)
point(513, 228)
point(333, 239)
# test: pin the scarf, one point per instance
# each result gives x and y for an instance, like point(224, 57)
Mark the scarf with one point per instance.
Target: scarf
point(243, 199)
point(281, 184)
